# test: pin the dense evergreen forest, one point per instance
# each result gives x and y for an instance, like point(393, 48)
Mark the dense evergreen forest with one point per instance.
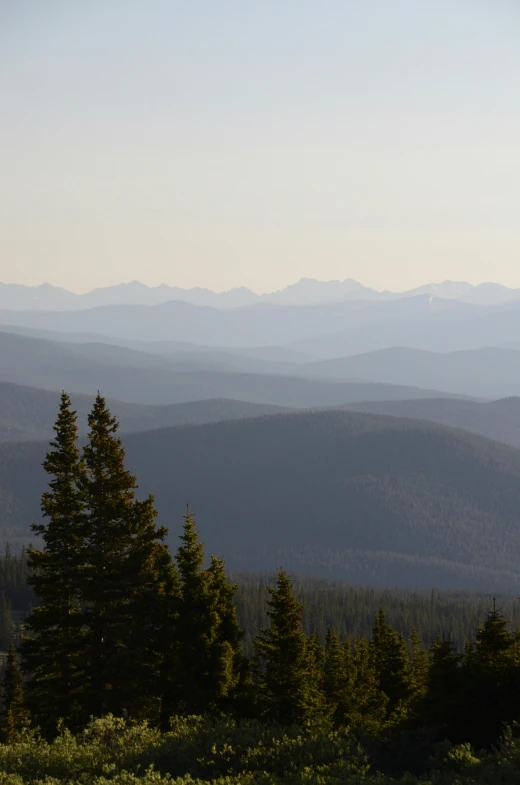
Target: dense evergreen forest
point(350, 610)
point(132, 667)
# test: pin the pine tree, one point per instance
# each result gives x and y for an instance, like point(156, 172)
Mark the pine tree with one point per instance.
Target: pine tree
point(228, 663)
point(391, 663)
point(52, 652)
point(492, 680)
point(419, 667)
point(367, 706)
point(316, 700)
point(280, 661)
point(124, 566)
point(206, 662)
point(336, 681)
point(15, 717)
point(443, 706)
point(6, 622)
point(494, 641)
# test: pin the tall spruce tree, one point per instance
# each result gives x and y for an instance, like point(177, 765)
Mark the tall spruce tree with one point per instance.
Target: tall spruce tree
point(205, 653)
point(280, 666)
point(15, 716)
point(443, 707)
point(317, 703)
point(124, 565)
point(228, 662)
point(491, 677)
point(390, 657)
point(419, 667)
point(52, 652)
point(336, 681)
point(367, 706)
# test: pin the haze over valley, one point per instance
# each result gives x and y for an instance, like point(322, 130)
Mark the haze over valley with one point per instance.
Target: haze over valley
point(242, 410)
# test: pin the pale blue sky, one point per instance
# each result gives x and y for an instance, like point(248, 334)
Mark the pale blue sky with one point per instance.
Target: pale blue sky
point(229, 143)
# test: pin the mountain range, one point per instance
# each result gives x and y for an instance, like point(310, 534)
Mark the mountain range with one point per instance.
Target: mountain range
point(306, 291)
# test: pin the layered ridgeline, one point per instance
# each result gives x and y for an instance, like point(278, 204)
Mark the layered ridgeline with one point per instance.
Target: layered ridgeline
point(490, 372)
point(356, 497)
point(322, 331)
point(141, 377)
point(27, 413)
point(499, 420)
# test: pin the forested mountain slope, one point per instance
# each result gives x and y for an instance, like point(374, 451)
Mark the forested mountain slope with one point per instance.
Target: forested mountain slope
point(357, 497)
point(499, 420)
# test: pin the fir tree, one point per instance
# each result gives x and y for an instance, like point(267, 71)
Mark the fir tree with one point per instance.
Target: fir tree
point(15, 717)
point(443, 705)
point(419, 667)
point(367, 706)
point(391, 663)
point(6, 622)
point(316, 699)
point(494, 641)
point(228, 663)
point(491, 676)
point(336, 682)
point(124, 565)
point(205, 655)
point(52, 654)
point(280, 662)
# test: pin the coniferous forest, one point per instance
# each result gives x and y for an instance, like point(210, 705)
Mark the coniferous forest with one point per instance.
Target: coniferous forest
point(133, 664)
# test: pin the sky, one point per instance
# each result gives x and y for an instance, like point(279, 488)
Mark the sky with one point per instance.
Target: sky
point(198, 143)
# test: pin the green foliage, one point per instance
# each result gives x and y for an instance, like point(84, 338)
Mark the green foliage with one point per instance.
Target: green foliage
point(337, 677)
point(92, 639)
point(351, 610)
point(367, 706)
point(196, 751)
point(15, 717)
point(205, 660)
point(6, 622)
point(284, 661)
point(52, 653)
point(390, 658)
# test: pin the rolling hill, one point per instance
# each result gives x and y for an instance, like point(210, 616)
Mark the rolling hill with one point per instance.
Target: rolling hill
point(490, 372)
point(498, 420)
point(138, 377)
point(357, 497)
point(28, 414)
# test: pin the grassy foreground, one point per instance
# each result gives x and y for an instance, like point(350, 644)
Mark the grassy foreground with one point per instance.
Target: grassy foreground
point(197, 750)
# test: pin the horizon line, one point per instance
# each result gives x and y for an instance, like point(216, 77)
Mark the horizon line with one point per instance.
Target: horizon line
point(252, 291)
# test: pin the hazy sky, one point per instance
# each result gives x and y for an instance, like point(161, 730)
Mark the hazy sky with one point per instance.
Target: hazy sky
point(227, 143)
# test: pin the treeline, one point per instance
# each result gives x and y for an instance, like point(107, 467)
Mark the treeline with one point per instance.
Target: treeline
point(123, 628)
point(350, 610)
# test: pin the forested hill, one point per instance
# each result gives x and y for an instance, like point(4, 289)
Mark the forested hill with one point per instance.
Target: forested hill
point(499, 420)
point(357, 497)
